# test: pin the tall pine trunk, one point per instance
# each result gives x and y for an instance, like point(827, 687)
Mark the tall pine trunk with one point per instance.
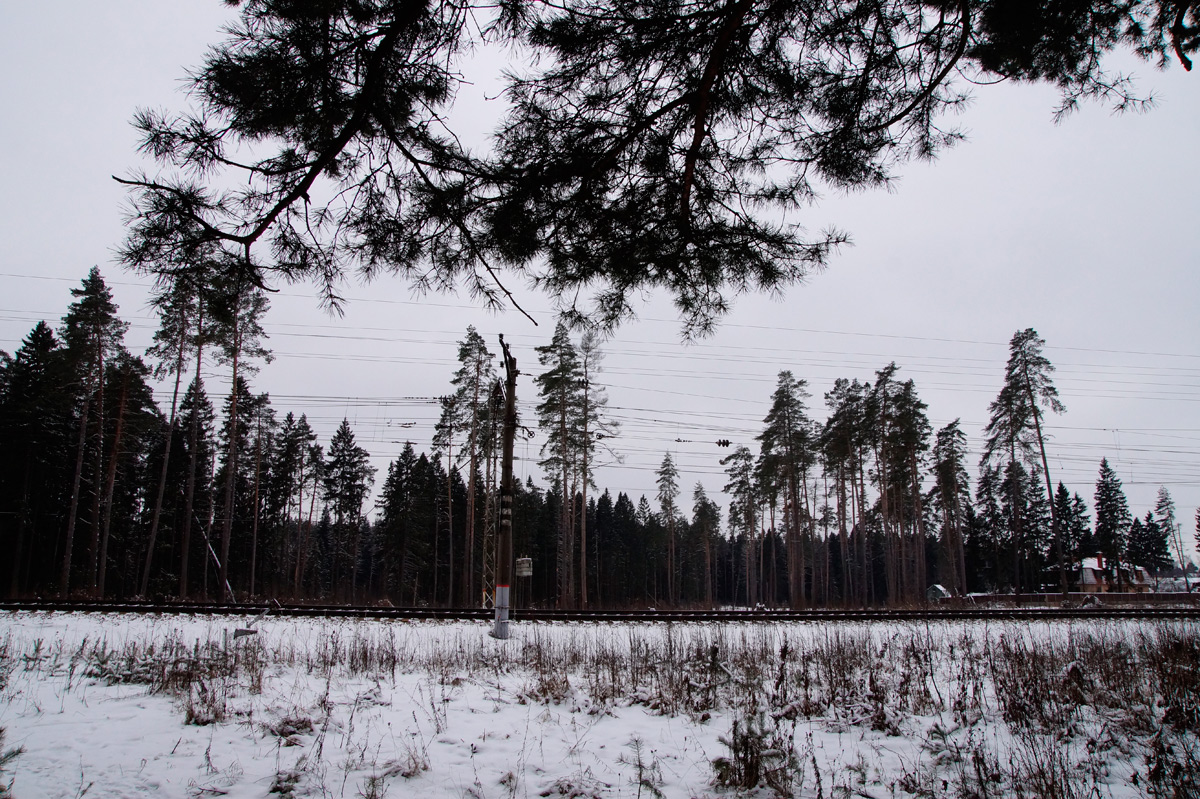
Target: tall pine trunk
point(231, 463)
point(583, 575)
point(473, 465)
point(94, 543)
point(162, 475)
point(64, 581)
point(254, 528)
point(185, 539)
point(110, 484)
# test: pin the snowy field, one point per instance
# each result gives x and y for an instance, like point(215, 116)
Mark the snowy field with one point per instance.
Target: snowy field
point(175, 706)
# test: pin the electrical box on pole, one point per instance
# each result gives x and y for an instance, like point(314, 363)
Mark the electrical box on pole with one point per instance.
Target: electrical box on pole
point(504, 546)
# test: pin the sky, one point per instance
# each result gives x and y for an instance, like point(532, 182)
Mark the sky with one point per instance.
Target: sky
point(1083, 230)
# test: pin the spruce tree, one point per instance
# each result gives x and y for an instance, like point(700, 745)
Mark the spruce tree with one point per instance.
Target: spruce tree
point(347, 481)
point(667, 479)
point(1112, 519)
point(989, 537)
point(1148, 546)
point(1137, 549)
point(36, 417)
point(398, 506)
point(1075, 526)
point(93, 335)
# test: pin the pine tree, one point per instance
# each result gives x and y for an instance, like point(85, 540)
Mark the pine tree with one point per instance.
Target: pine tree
point(1182, 565)
point(238, 309)
point(196, 415)
point(137, 426)
point(241, 415)
point(179, 305)
point(953, 498)
point(560, 391)
point(1023, 504)
point(1164, 514)
point(1015, 427)
point(846, 440)
point(1112, 519)
point(312, 476)
point(706, 520)
point(632, 157)
point(742, 490)
point(902, 432)
point(470, 411)
point(595, 426)
point(787, 449)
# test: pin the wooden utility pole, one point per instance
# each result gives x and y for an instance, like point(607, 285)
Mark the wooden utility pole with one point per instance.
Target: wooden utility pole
point(504, 548)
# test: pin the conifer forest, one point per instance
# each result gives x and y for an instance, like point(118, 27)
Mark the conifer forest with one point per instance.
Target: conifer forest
point(850, 497)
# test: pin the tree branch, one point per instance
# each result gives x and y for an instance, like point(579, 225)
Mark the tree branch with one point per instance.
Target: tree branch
point(704, 95)
point(922, 96)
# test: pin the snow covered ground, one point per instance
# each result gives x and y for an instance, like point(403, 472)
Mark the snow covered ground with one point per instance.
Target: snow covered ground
point(176, 706)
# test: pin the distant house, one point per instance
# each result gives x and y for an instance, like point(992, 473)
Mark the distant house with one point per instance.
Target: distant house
point(1092, 579)
point(1096, 578)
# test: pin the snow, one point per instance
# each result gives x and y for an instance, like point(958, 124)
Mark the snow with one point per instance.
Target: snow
point(309, 707)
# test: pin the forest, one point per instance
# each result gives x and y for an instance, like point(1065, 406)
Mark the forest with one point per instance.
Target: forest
point(105, 494)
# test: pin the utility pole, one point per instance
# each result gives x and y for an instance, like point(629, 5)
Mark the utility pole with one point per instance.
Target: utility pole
point(504, 548)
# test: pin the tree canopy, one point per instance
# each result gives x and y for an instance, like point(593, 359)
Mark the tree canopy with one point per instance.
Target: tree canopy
point(647, 144)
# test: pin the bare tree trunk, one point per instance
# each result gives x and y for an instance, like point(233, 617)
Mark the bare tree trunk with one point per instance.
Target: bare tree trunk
point(921, 536)
point(450, 598)
point(312, 506)
point(162, 475)
point(299, 522)
point(1054, 522)
point(208, 524)
point(109, 485)
point(193, 444)
point(254, 528)
point(14, 580)
point(473, 465)
point(583, 576)
point(94, 545)
point(708, 570)
point(231, 458)
point(64, 581)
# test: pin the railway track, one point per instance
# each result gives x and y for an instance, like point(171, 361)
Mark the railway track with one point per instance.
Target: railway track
point(962, 613)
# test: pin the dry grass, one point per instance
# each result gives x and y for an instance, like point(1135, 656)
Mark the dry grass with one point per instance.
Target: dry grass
point(1069, 698)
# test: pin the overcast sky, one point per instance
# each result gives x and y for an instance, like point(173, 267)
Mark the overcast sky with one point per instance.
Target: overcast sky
point(1084, 231)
